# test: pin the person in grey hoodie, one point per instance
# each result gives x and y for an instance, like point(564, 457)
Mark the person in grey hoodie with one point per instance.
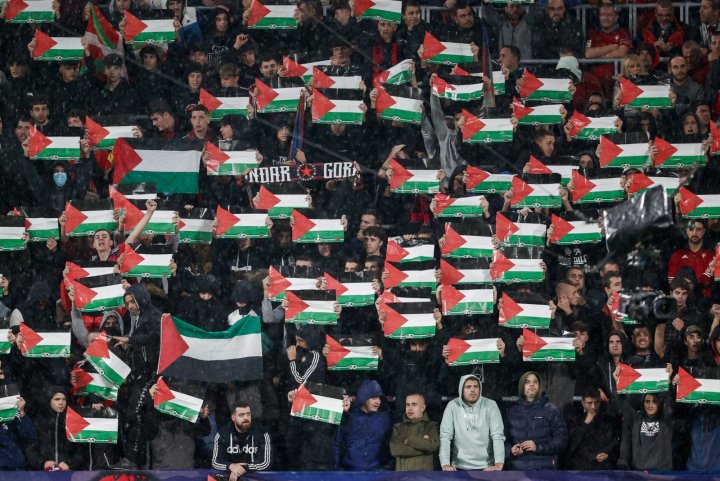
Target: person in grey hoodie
point(472, 432)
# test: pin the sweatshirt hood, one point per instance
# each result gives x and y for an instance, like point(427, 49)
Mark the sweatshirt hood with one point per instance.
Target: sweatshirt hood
point(367, 390)
point(141, 295)
point(461, 384)
point(521, 384)
point(118, 320)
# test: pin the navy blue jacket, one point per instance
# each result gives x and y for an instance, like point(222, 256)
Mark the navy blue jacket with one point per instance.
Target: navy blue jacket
point(13, 435)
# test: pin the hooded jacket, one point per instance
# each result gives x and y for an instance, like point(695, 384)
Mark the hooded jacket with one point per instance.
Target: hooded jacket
point(539, 421)
point(471, 437)
point(52, 443)
point(310, 364)
point(587, 440)
point(14, 436)
point(145, 332)
point(412, 450)
point(80, 330)
point(647, 440)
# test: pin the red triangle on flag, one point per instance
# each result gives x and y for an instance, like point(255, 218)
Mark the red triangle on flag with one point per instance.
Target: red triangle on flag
point(521, 189)
point(126, 159)
point(295, 305)
point(96, 132)
point(258, 11)
point(337, 351)
point(505, 227)
point(688, 201)
point(265, 94)
point(216, 157)
point(393, 321)
point(82, 378)
point(472, 126)
point(321, 105)
point(361, 6)
point(334, 285)
point(453, 240)
point(715, 132)
point(278, 282)
point(537, 167)
point(74, 423)
point(460, 72)
point(30, 338)
point(449, 275)
point(268, 200)
point(209, 100)
point(172, 344)
point(163, 393)
point(301, 225)
point(394, 252)
point(458, 347)
point(578, 122)
point(451, 297)
point(303, 399)
point(321, 80)
point(226, 220)
point(75, 271)
point(83, 294)
point(530, 84)
point(628, 91)
point(133, 214)
point(99, 348)
point(395, 275)
point(74, 218)
point(133, 26)
point(532, 344)
point(638, 182)
point(384, 101)
point(665, 151)
point(400, 174)
point(130, 259)
point(508, 310)
point(442, 202)
point(583, 185)
point(380, 78)
point(501, 265)
point(687, 384)
point(475, 176)
point(14, 8)
point(44, 42)
point(431, 46)
point(519, 109)
point(441, 86)
point(561, 228)
point(38, 142)
point(608, 151)
point(292, 68)
point(628, 375)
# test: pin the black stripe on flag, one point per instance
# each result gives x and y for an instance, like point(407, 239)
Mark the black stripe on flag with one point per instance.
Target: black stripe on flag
point(412, 307)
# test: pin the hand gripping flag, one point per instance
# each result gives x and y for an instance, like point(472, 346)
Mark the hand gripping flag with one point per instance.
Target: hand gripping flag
point(40, 224)
point(445, 53)
point(515, 269)
point(410, 274)
point(463, 272)
point(287, 278)
point(644, 96)
point(303, 70)
point(335, 106)
point(482, 182)
point(409, 253)
point(537, 115)
point(318, 402)
point(596, 191)
point(547, 349)
point(554, 90)
point(196, 227)
point(98, 294)
point(241, 225)
point(591, 128)
point(486, 131)
point(280, 199)
point(105, 361)
point(353, 289)
point(12, 233)
point(678, 156)
point(92, 384)
point(564, 171)
point(521, 315)
point(85, 217)
point(447, 207)
point(175, 403)
point(271, 17)
point(467, 240)
point(639, 183)
point(9, 397)
point(413, 181)
point(272, 100)
point(321, 80)
point(466, 302)
point(520, 234)
point(498, 78)
point(161, 222)
point(148, 261)
point(615, 153)
point(316, 231)
point(535, 195)
point(188, 352)
point(43, 344)
point(29, 11)
point(566, 232)
point(52, 148)
point(84, 269)
point(80, 429)
point(219, 107)
point(351, 355)
point(409, 320)
point(396, 75)
point(60, 49)
point(642, 381)
point(311, 307)
point(400, 104)
point(694, 390)
point(384, 10)
point(229, 162)
point(104, 137)
point(693, 206)
point(458, 89)
point(468, 352)
point(141, 32)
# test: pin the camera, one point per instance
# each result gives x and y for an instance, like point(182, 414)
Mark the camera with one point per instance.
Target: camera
point(647, 306)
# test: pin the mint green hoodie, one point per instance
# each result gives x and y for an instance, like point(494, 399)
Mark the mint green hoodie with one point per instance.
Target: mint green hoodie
point(467, 431)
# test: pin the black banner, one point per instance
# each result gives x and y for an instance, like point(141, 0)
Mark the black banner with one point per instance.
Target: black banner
point(289, 173)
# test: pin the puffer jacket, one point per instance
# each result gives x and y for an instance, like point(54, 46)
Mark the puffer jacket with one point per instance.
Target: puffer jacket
point(419, 453)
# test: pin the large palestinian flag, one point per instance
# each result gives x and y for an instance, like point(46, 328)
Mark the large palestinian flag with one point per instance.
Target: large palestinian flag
point(311, 307)
point(523, 314)
point(105, 361)
point(642, 381)
point(351, 354)
point(547, 349)
point(318, 402)
point(409, 320)
point(468, 352)
point(80, 429)
point(44, 344)
point(694, 390)
point(176, 404)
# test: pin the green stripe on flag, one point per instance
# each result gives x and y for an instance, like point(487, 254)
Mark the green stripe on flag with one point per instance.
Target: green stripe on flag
point(8, 408)
point(178, 410)
point(405, 116)
point(552, 355)
point(643, 387)
point(494, 184)
point(319, 237)
point(184, 182)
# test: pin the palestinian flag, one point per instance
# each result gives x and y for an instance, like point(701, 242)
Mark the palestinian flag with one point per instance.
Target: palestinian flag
point(12, 233)
point(219, 107)
point(240, 226)
point(506, 270)
point(458, 244)
point(596, 191)
point(90, 430)
point(466, 302)
point(520, 234)
point(353, 289)
point(141, 191)
point(693, 206)
point(564, 171)
point(415, 253)
point(477, 130)
point(694, 390)
point(316, 231)
point(161, 222)
point(523, 315)
point(385, 10)
point(271, 17)
point(60, 49)
point(5, 345)
point(337, 106)
point(413, 181)
point(101, 293)
point(591, 128)
point(172, 164)
point(640, 182)
point(30, 11)
point(404, 294)
point(311, 307)
point(396, 75)
point(304, 70)
point(644, 96)
point(284, 278)
point(141, 32)
point(535, 195)
point(555, 90)
point(627, 156)
point(105, 362)
point(81, 270)
point(447, 206)
point(547, 349)
point(498, 79)
point(93, 384)
point(229, 162)
point(188, 352)
point(38, 225)
point(321, 80)
point(318, 402)
point(44, 344)
point(408, 320)
point(468, 352)
point(52, 148)
point(8, 407)
point(176, 404)
point(151, 261)
point(458, 272)
point(678, 156)
point(196, 228)
point(574, 232)
point(537, 115)
point(642, 381)
point(85, 217)
point(272, 100)
point(350, 357)
point(410, 274)
point(446, 53)
point(482, 182)
point(458, 92)
point(104, 138)
point(399, 108)
point(280, 199)
point(101, 40)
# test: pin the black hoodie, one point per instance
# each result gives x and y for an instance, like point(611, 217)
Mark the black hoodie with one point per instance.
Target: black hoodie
point(52, 443)
point(144, 333)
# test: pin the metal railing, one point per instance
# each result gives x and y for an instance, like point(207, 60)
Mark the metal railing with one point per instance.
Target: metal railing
point(583, 61)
